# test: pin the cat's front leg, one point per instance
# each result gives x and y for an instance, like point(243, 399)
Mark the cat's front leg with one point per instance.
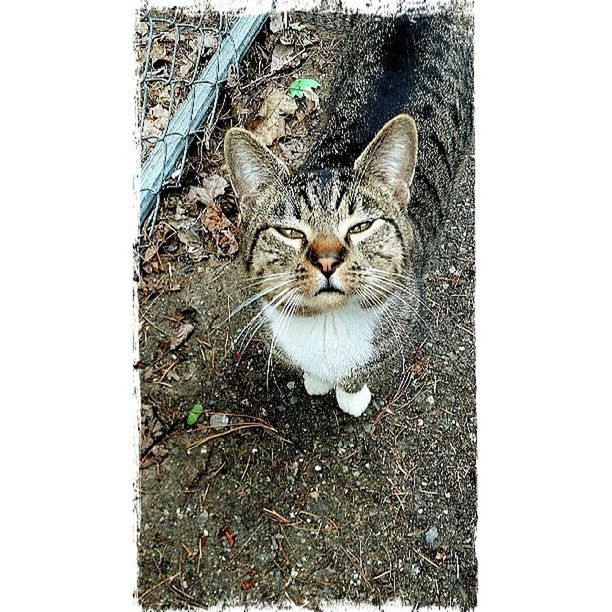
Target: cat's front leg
point(314, 386)
point(353, 396)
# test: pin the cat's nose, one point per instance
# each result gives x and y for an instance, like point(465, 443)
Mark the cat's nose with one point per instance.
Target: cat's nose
point(327, 264)
point(326, 261)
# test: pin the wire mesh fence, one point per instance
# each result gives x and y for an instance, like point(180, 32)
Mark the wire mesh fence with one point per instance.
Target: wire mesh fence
point(184, 58)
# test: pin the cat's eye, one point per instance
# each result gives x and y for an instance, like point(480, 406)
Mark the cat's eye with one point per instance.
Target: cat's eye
point(289, 232)
point(361, 227)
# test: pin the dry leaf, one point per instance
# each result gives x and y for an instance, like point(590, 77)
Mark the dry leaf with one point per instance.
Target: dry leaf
point(210, 41)
point(282, 55)
point(155, 121)
point(195, 248)
point(159, 53)
point(229, 536)
point(211, 188)
point(277, 22)
point(181, 334)
point(269, 124)
point(220, 227)
point(151, 252)
point(232, 78)
point(312, 100)
point(185, 69)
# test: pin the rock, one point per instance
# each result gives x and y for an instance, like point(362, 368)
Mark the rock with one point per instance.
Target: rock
point(431, 535)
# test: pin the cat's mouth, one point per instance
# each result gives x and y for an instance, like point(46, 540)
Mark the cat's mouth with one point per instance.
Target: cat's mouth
point(329, 289)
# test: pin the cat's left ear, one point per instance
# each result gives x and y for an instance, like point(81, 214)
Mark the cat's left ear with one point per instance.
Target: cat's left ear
point(388, 162)
point(253, 168)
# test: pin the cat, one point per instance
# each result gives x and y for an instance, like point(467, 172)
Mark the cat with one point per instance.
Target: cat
point(336, 248)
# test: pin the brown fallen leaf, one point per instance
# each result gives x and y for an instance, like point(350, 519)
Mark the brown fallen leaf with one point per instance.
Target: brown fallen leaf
point(283, 55)
point(185, 232)
point(159, 53)
point(269, 124)
point(210, 41)
point(155, 455)
point(229, 536)
point(312, 100)
point(212, 187)
point(155, 121)
point(221, 228)
point(183, 332)
point(277, 22)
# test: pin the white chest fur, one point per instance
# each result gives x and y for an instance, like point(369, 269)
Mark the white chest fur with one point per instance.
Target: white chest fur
point(327, 346)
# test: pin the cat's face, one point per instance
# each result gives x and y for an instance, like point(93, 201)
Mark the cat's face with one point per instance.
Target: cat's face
point(314, 240)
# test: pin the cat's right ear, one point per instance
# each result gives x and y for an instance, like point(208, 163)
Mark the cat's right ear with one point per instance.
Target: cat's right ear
point(253, 168)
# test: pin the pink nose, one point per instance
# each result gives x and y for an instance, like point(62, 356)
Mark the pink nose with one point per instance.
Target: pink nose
point(326, 254)
point(327, 264)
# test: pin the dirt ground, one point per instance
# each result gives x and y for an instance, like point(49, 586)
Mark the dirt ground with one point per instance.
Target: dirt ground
point(293, 500)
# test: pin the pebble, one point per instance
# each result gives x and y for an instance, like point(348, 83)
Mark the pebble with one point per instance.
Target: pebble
point(431, 535)
point(291, 385)
point(219, 421)
point(202, 518)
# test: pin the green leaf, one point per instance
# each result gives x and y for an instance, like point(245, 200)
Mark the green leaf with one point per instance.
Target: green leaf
point(194, 414)
point(298, 87)
point(296, 25)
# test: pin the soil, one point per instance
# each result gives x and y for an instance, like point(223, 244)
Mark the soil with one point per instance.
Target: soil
point(293, 500)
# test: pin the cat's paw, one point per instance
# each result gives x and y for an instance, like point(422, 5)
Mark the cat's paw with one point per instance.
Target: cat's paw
point(354, 404)
point(314, 386)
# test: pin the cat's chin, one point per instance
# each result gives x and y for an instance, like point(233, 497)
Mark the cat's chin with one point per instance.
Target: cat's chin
point(323, 302)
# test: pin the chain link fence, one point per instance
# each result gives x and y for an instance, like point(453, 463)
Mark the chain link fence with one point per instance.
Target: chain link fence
point(184, 58)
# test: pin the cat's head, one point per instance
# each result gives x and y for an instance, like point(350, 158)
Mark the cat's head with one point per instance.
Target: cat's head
point(314, 239)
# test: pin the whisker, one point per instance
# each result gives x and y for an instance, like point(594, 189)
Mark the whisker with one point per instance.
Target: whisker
point(262, 279)
point(271, 304)
point(281, 326)
point(262, 321)
point(384, 275)
point(386, 292)
point(255, 297)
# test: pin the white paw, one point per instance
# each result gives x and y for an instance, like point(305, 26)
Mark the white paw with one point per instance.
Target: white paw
point(314, 386)
point(354, 404)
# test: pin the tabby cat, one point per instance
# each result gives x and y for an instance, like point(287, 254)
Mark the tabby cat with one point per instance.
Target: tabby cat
point(336, 248)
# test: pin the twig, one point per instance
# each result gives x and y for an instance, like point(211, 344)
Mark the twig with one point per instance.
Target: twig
point(418, 552)
point(169, 579)
point(166, 371)
point(381, 575)
point(277, 517)
point(229, 431)
point(245, 543)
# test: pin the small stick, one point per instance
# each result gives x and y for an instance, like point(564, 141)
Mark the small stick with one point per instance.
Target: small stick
point(381, 575)
point(167, 371)
point(418, 552)
point(275, 515)
point(229, 431)
point(169, 579)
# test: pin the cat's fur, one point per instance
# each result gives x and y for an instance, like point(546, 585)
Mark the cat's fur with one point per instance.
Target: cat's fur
point(336, 248)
